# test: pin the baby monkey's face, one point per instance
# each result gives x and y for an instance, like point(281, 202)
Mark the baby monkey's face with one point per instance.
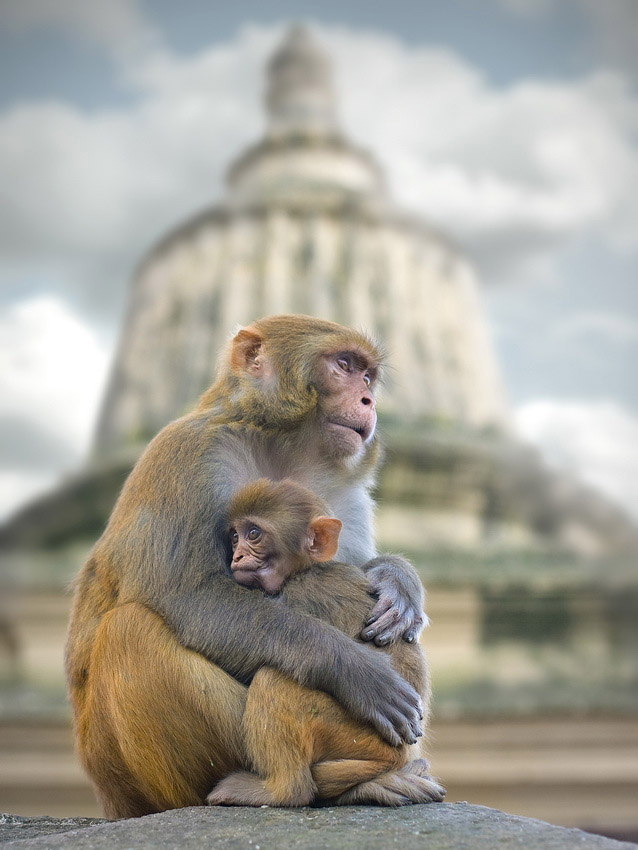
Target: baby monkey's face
point(256, 559)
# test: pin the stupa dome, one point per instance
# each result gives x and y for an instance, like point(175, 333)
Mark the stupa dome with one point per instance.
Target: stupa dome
point(306, 226)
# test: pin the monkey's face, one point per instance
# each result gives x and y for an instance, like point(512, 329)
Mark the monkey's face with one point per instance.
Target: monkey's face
point(346, 401)
point(295, 372)
point(256, 560)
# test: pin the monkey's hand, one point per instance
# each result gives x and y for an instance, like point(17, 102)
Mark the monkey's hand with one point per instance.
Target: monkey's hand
point(398, 611)
point(371, 690)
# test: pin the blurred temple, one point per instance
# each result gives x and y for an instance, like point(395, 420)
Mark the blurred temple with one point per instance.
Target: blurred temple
point(531, 582)
point(307, 227)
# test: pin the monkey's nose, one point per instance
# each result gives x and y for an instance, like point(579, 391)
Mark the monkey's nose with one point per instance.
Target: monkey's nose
point(367, 399)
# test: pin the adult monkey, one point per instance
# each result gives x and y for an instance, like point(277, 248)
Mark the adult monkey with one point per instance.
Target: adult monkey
point(162, 640)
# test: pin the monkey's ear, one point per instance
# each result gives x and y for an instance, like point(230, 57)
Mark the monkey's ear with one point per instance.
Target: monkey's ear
point(324, 538)
point(247, 352)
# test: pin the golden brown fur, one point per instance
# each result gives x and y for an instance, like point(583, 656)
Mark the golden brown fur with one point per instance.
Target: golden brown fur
point(162, 642)
point(302, 744)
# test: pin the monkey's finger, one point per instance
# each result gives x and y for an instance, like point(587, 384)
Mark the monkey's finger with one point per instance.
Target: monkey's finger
point(416, 729)
point(405, 729)
point(390, 635)
point(391, 622)
point(409, 625)
point(410, 717)
point(411, 731)
point(386, 730)
point(404, 691)
point(384, 603)
point(412, 632)
point(407, 702)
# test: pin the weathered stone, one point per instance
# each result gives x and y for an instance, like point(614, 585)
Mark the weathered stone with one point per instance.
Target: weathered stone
point(448, 826)
point(15, 827)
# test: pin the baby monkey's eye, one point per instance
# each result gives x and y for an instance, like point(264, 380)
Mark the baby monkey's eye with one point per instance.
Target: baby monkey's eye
point(234, 537)
point(343, 363)
point(367, 380)
point(254, 533)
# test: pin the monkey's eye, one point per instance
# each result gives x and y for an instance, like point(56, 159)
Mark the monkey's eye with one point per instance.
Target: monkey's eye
point(254, 533)
point(367, 380)
point(234, 537)
point(343, 363)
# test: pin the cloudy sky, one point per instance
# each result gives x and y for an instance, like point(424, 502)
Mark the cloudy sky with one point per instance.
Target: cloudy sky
point(511, 124)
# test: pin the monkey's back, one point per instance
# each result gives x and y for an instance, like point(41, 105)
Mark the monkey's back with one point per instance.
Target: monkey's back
point(339, 594)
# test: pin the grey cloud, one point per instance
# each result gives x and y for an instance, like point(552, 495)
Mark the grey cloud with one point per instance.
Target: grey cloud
point(117, 25)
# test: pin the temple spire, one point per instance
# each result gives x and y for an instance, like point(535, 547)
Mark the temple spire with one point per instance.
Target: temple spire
point(300, 97)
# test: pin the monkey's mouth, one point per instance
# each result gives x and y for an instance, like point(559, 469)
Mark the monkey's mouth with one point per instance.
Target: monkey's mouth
point(249, 578)
point(361, 430)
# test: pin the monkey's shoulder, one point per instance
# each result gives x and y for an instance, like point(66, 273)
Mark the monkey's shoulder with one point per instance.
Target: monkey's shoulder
point(334, 592)
point(326, 577)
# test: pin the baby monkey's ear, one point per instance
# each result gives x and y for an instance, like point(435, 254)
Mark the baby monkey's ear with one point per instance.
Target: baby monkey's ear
point(323, 538)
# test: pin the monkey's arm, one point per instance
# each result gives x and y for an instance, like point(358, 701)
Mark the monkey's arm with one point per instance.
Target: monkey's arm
point(241, 630)
point(399, 608)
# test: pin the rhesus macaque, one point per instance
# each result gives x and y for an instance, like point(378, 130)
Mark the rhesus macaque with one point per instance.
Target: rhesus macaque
point(163, 643)
point(302, 745)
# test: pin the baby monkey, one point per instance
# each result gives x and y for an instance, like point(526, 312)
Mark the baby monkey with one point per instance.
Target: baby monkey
point(278, 531)
point(300, 743)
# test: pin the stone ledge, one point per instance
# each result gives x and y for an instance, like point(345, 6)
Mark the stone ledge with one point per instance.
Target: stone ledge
point(444, 826)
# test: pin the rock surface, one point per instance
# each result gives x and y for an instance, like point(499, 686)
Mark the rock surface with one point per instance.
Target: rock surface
point(447, 826)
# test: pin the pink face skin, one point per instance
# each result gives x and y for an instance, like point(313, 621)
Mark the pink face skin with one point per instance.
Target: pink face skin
point(347, 405)
point(255, 562)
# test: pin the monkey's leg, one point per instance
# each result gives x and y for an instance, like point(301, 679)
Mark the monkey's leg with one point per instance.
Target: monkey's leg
point(114, 785)
point(301, 743)
point(351, 753)
point(395, 788)
point(170, 720)
point(278, 726)
point(334, 778)
point(366, 770)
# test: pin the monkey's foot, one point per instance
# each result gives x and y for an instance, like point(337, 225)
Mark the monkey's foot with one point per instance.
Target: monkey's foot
point(421, 768)
point(248, 789)
point(240, 789)
point(396, 788)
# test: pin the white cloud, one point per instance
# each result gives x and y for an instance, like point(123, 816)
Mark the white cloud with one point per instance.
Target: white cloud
point(85, 193)
point(513, 172)
point(595, 441)
point(52, 378)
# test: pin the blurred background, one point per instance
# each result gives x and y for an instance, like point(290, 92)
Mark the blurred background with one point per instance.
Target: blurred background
point(460, 179)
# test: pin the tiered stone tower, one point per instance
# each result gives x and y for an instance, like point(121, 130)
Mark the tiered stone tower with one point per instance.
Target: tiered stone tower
point(307, 227)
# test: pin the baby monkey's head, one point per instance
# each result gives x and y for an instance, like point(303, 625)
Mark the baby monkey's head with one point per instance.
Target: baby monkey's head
point(278, 529)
